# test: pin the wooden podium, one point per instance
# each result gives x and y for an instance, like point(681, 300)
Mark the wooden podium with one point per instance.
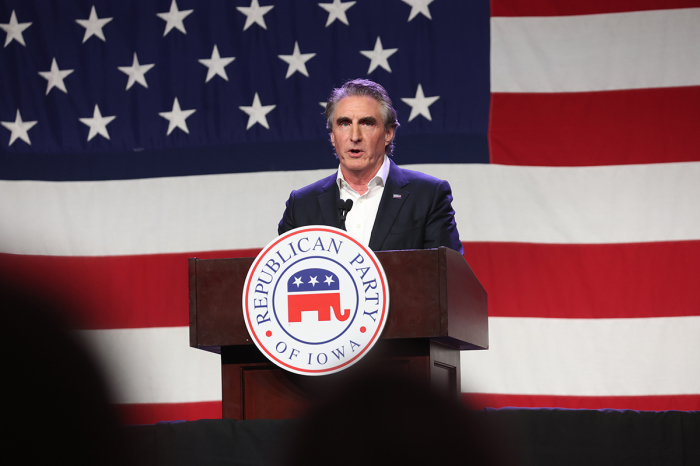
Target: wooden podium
point(437, 308)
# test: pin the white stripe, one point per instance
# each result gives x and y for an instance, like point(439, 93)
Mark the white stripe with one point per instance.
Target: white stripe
point(645, 49)
point(606, 357)
point(596, 205)
point(145, 216)
point(594, 357)
point(608, 204)
point(155, 365)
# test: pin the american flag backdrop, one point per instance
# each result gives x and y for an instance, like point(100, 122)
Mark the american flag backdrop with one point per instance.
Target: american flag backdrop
point(138, 133)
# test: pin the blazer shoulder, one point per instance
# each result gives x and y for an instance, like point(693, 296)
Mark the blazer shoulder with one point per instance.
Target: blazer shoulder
point(317, 187)
point(404, 176)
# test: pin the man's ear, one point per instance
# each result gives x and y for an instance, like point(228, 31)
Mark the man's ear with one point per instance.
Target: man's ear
point(388, 136)
point(332, 138)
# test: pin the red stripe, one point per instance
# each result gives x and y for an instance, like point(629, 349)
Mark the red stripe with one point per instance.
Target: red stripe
point(581, 7)
point(595, 128)
point(522, 279)
point(150, 413)
point(639, 403)
point(115, 291)
point(589, 280)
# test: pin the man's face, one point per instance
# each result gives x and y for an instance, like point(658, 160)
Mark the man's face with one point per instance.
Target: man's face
point(359, 136)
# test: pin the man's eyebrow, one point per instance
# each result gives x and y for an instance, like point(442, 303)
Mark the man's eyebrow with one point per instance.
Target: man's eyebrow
point(368, 119)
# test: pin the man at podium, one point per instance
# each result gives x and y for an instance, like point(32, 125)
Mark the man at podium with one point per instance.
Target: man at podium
point(381, 205)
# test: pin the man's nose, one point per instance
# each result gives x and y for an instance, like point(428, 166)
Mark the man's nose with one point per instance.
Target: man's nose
point(355, 134)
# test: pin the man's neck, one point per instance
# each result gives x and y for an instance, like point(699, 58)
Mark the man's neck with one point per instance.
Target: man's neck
point(359, 180)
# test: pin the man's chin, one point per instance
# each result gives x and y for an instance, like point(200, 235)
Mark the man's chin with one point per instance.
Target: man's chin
point(355, 165)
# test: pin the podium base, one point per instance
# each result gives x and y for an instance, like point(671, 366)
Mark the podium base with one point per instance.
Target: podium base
point(255, 388)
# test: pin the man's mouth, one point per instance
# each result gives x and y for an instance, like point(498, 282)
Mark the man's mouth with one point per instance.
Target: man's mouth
point(355, 151)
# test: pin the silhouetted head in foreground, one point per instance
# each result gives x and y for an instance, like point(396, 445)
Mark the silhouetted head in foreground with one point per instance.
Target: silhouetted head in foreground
point(56, 403)
point(390, 419)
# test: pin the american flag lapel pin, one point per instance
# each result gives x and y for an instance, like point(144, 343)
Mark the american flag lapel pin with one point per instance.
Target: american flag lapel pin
point(397, 196)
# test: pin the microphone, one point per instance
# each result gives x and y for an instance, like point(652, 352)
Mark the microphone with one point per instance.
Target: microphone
point(344, 207)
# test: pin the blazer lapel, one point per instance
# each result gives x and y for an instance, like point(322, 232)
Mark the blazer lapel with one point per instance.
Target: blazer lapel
point(392, 200)
point(328, 202)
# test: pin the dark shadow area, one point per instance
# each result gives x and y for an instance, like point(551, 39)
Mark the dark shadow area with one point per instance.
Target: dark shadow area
point(340, 433)
point(386, 417)
point(56, 401)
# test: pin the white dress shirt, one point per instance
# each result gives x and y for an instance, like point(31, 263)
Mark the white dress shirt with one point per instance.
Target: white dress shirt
point(360, 219)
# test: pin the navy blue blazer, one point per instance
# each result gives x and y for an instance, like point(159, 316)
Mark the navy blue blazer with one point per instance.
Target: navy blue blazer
point(415, 211)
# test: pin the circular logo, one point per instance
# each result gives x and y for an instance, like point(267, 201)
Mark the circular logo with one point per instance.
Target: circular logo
point(315, 300)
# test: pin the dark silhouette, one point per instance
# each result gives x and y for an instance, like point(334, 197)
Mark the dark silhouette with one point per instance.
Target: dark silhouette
point(385, 418)
point(57, 404)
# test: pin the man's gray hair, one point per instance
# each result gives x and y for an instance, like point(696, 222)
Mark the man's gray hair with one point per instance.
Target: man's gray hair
point(365, 87)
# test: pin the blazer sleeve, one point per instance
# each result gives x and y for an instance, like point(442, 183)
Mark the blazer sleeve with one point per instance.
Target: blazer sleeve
point(441, 228)
point(287, 223)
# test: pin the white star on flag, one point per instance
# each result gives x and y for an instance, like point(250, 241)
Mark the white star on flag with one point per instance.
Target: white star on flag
point(297, 281)
point(336, 10)
point(174, 18)
point(55, 77)
point(136, 73)
point(19, 129)
point(420, 103)
point(14, 29)
point(216, 64)
point(419, 6)
point(328, 280)
point(297, 61)
point(313, 281)
point(254, 14)
point(177, 117)
point(378, 56)
point(93, 26)
point(98, 123)
point(256, 112)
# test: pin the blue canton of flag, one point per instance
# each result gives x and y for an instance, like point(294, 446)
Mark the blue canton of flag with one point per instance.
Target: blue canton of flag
point(97, 90)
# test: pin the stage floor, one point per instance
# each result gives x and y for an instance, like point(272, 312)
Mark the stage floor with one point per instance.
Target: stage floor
point(530, 436)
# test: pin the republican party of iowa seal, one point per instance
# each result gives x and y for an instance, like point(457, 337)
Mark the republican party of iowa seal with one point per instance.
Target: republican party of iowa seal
point(315, 300)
